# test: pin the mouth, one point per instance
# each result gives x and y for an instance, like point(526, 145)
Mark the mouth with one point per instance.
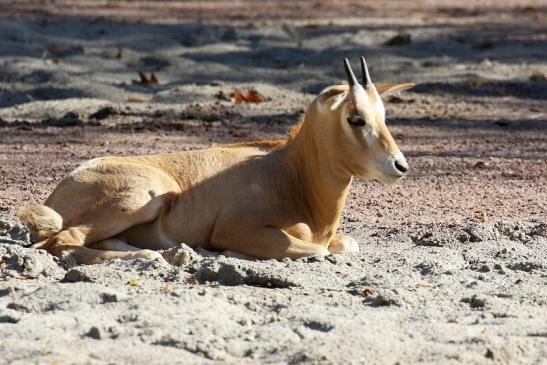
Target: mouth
point(393, 174)
point(388, 178)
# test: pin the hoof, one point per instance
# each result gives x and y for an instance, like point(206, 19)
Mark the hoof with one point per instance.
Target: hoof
point(343, 244)
point(148, 255)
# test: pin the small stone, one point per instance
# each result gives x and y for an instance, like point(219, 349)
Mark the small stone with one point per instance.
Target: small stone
point(311, 259)
point(334, 259)
point(538, 76)
point(401, 39)
point(94, 333)
point(383, 298)
point(110, 297)
point(103, 113)
point(9, 316)
point(67, 260)
point(475, 302)
point(482, 232)
point(76, 275)
point(181, 256)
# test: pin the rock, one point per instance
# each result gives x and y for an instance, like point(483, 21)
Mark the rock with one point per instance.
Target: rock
point(67, 260)
point(475, 302)
point(94, 333)
point(435, 239)
point(111, 296)
point(538, 76)
point(526, 266)
point(310, 259)
point(480, 267)
point(181, 256)
point(383, 298)
point(103, 113)
point(539, 230)
point(121, 271)
point(242, 272)
point(14, 233)
point(70, 119)
point(377, 289)
point(9, 316)
point(427, 267)
point(401, 39)
point(18, 261)
point(94, 274)
point(482, 232)
point(320, 326)
point(336, 259)
point(18, 307)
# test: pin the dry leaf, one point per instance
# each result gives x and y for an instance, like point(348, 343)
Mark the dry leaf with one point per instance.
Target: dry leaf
point(252, 96)
point(480, 216)
point(420, 285)
point(146, 81)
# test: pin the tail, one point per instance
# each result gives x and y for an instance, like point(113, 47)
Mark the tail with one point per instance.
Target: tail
point(43, 222)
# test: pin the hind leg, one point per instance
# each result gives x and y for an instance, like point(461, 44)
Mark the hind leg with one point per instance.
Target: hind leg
point(116, 244)
point(72, 240)
point(100, 226)
point(99, 203)
point(97, 225)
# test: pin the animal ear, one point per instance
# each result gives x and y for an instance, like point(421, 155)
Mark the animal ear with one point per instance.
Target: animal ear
point(390, 89)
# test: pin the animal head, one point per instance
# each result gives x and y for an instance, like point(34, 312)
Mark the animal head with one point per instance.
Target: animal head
point(351, 118)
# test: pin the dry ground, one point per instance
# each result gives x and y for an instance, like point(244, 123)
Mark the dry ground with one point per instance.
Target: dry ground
point(453, 257)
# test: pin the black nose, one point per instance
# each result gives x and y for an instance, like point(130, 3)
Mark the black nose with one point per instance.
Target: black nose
point(401, 167)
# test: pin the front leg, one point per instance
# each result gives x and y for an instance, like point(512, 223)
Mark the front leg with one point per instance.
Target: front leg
point(343, 244)
point(264, 243)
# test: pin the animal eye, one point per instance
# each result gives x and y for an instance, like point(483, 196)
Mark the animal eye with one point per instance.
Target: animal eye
point(356, 120)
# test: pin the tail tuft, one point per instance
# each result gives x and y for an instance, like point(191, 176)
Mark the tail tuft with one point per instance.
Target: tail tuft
point(43, 222)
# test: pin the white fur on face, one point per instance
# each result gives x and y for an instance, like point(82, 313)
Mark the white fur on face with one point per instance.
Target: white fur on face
point(379, 106)
point(360, 95)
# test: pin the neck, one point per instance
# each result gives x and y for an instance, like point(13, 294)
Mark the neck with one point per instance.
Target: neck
point(323, 188)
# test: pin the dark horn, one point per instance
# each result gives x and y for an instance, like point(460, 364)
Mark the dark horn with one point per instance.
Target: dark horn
point(364, 71)
point(352, 80)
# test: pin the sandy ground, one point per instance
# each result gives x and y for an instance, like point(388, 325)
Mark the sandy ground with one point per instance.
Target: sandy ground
point(453, 261)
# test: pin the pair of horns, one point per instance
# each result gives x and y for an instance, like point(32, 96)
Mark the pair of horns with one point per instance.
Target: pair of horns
point(352, 80)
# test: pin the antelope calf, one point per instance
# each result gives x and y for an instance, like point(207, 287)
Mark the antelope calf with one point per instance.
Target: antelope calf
point(269, 199)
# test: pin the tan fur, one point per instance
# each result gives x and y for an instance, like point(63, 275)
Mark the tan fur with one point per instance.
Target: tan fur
point(43, 222)
point(266, 144)
point(265, 199)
